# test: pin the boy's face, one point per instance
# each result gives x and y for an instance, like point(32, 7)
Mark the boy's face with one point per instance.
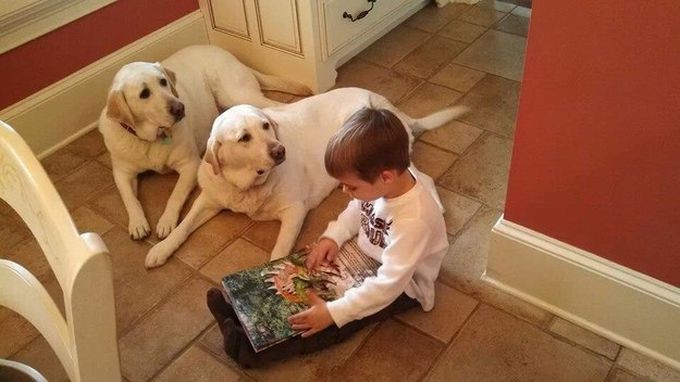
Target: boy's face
point(358, 188)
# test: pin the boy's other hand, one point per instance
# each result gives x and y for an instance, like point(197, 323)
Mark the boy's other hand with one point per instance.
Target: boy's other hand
point(314, 319)
point(322, 252)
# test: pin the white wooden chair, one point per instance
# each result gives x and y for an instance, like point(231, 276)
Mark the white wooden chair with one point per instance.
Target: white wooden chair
point(84, 340)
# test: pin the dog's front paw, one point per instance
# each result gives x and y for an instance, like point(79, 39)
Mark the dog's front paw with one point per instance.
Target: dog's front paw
point(157, 256)
point(138, 227)
point(166, 224)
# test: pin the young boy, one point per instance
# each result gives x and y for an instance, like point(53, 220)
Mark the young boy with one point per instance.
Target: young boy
point(396, 213)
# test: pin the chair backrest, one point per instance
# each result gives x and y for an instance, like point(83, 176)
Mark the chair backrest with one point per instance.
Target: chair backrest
point(84, 340)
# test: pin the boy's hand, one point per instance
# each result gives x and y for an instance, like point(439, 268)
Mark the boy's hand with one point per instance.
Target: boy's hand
point(322, 252)
point(314, 319)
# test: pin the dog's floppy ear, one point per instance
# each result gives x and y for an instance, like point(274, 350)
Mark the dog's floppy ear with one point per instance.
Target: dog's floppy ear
point(211, 155)
point(171, 76)
point(118, 109)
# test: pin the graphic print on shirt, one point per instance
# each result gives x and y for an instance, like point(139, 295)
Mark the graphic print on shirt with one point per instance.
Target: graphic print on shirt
point(376, 229)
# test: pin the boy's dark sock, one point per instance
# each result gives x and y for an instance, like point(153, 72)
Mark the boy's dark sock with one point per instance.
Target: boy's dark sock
point(219, 307)
point(236, 344)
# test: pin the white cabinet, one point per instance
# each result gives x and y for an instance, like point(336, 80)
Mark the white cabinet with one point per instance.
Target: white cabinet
point(305, 40)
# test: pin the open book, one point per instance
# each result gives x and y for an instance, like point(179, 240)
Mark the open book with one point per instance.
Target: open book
point(265, 296)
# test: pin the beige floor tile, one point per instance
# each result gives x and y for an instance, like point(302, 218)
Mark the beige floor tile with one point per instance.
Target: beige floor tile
point(585, 338)
point(319, 366)
point(620, 375)
point(522, 11)
point(15, 332)
point(432, 19)
point(79, 186)
point(455, 136)
point(647, 367)
point(457, 77)
point(496, 53)
point(137, 289)
point(13, 231)
point(451, 309)
point(483, 16)
point(462, 31)
point(61, 163)
point(105, 159)
point(465, 263)
point(514, 24)
point(108, 204)
point(86, 220)
point(154, 192)
point(394, 46)
point(263, 234)
point(431, 160)
point(497, 5)
point(196, 365)
point(90, 145)
point(380, 360)
point(385, 82)
point(208, 240)
point(424, 61)
point(427, 99)
point(482, 172)
point(237, 256)
point(40, 356)
point(493, 104)
point(155, 341)
point(459, 209)
point(494, 346)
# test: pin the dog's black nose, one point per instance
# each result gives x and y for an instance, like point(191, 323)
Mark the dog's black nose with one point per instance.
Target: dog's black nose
point(177, 110)
point(278, 153)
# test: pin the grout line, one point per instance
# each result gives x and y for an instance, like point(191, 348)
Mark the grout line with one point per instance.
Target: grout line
point(453, 338)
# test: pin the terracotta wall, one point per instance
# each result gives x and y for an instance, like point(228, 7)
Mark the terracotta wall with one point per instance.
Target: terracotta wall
point(51, 57)
point(596, 160)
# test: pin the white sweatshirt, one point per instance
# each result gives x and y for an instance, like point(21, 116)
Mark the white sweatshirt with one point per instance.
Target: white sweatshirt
point(407, 235)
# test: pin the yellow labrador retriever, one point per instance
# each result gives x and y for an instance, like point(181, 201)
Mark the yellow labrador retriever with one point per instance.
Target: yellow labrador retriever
point(158, 117)
point(268, 163)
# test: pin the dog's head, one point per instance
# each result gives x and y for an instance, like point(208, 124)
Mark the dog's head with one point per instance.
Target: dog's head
point(143, 97)
point(243, 146)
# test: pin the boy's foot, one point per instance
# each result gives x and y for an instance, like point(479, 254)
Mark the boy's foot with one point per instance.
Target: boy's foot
point(236, 344)
point(219, 307)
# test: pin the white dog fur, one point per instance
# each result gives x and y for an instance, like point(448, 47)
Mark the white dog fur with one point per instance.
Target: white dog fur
point(159, 115)
point(243, 169)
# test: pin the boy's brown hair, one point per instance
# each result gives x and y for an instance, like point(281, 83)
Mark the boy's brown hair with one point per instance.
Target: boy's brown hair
point(369, 142)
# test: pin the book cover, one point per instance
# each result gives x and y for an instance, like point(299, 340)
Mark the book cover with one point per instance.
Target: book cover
point(265, 296)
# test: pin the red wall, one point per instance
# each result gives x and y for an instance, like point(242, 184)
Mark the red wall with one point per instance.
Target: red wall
point(596, 160)
point(51, 57)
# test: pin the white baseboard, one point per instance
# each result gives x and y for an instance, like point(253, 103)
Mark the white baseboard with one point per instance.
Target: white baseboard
point(65, 110)
point(623, 305)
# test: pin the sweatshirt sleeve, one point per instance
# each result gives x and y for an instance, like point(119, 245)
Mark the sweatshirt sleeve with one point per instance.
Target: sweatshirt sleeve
point(347, 224)
point(400, 259)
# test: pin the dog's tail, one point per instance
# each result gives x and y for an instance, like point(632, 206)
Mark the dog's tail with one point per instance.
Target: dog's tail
point(269, 82)
point(439, 118)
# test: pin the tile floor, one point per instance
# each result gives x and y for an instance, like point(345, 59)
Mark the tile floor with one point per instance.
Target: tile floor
point(459, 54)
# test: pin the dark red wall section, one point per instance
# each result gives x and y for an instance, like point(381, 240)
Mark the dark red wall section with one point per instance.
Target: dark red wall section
point(596, 160)
point(51, 57)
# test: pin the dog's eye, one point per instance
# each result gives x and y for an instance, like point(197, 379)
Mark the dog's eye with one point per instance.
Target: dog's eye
point(164, 82)
point(145, 93)
point(244, 138)
point(265, 125)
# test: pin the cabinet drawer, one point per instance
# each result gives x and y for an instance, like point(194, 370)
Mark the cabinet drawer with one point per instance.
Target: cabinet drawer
point(339, 32)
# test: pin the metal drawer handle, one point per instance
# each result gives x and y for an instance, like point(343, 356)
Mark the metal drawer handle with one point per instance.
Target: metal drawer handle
point(361, 14)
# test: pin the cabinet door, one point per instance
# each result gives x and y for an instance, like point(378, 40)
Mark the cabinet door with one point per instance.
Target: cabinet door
point(278, 25)
point(229, 16)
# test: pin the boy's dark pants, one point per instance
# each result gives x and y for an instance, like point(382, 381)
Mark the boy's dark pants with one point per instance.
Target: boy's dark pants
point(221, 310)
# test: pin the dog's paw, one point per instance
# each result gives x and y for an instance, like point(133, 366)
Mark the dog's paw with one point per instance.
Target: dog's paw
point(157, 256)
point(166, 224)
point(138, 228)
